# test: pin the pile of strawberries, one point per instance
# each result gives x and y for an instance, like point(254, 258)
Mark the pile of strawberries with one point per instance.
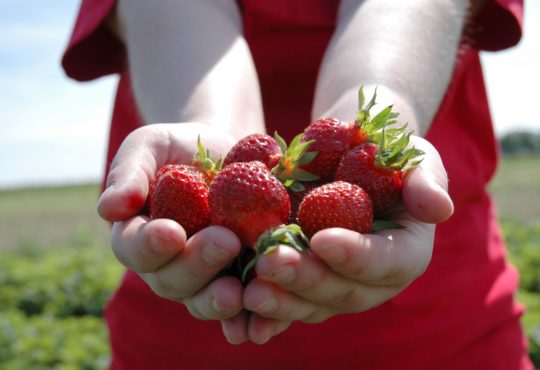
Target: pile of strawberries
point(334, 174)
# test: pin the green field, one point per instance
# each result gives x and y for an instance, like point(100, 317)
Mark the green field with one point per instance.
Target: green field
point(56, 269)
point(516, 189)
point(51, 217)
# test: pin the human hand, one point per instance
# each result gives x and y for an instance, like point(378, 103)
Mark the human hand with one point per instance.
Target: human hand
point(174, 267)
point(348, 272)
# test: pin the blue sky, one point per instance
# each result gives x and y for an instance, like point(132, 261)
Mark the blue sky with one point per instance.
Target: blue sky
point(53, 130)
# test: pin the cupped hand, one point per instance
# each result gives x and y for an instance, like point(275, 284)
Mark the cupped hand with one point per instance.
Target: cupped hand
point(348, 272)
point(173, 266)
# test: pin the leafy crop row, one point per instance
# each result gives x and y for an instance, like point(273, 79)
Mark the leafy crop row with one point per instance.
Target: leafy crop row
point(52, 301)
point(51, 306)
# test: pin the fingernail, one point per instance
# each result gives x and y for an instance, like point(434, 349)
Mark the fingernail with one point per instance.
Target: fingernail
point(331, 253)
point(214, 255)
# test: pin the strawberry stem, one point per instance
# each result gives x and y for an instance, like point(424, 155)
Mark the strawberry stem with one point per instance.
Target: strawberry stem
point(294, 156)
point(204, 163)
point(290, 235)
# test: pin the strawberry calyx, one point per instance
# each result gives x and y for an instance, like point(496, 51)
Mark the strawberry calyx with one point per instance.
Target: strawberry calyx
point(290, 235)
point(204, 163)
point(393, 153)
point(295, 155)
point(369, 129)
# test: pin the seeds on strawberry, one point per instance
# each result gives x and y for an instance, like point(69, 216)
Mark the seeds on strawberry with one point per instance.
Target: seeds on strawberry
point(246, 198)
point(297, 197)
point(336, 204)
point(255, 147)
point(180, 193)
point(379, 169)
point(331, 139)
point(383, 185)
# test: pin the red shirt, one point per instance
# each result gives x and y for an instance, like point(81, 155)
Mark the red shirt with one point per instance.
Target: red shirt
point(460, 314)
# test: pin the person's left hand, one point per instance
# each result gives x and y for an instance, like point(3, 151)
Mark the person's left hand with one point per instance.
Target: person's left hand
point(347, 272)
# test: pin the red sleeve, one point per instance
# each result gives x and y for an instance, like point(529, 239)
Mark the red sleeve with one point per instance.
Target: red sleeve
point(498, 26)
point(93, 50)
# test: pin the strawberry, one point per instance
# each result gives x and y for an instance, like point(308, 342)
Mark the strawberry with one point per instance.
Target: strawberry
point(255, 147)
point(336, 204)
point(180, 193)
point(246, 198)
point(331, 139)
point(379, 169)
point(297, 197)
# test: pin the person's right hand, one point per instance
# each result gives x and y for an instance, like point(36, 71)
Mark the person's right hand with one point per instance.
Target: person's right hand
point(175, 267)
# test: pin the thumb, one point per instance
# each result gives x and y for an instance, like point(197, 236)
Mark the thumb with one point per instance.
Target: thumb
point(123, 199)
point(425, 188)
point(133, 167)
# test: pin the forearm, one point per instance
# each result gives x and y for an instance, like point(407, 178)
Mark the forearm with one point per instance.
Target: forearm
point(406, 48)
point(189, 62)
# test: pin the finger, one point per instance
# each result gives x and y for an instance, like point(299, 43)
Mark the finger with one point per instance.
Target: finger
point(220, 300)
point(271, 301)
point(144, 246)
point(206, 253)
point(425, 188)
point(261, 329)
point(146, 150)
point(391, 258)
point(235, 329)
point(141, 154)
point(309, 278)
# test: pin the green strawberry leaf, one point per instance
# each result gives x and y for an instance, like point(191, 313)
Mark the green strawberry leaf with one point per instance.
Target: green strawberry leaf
point(381, 119)
point(306, 158)
point(281, 142)
point(296, 186)
point(304, 176)
point(204, 163)
point(294, 156)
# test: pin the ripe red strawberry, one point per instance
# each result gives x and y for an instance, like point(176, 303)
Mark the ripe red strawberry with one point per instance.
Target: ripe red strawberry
point(331, 139)
point(379, 170)
point(255, 147)
point(297, 197)
point(246, 198)
point(336, 204)
point(180, 193)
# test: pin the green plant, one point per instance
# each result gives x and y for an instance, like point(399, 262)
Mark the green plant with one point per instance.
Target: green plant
point(51, 307)
point(523, 242)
